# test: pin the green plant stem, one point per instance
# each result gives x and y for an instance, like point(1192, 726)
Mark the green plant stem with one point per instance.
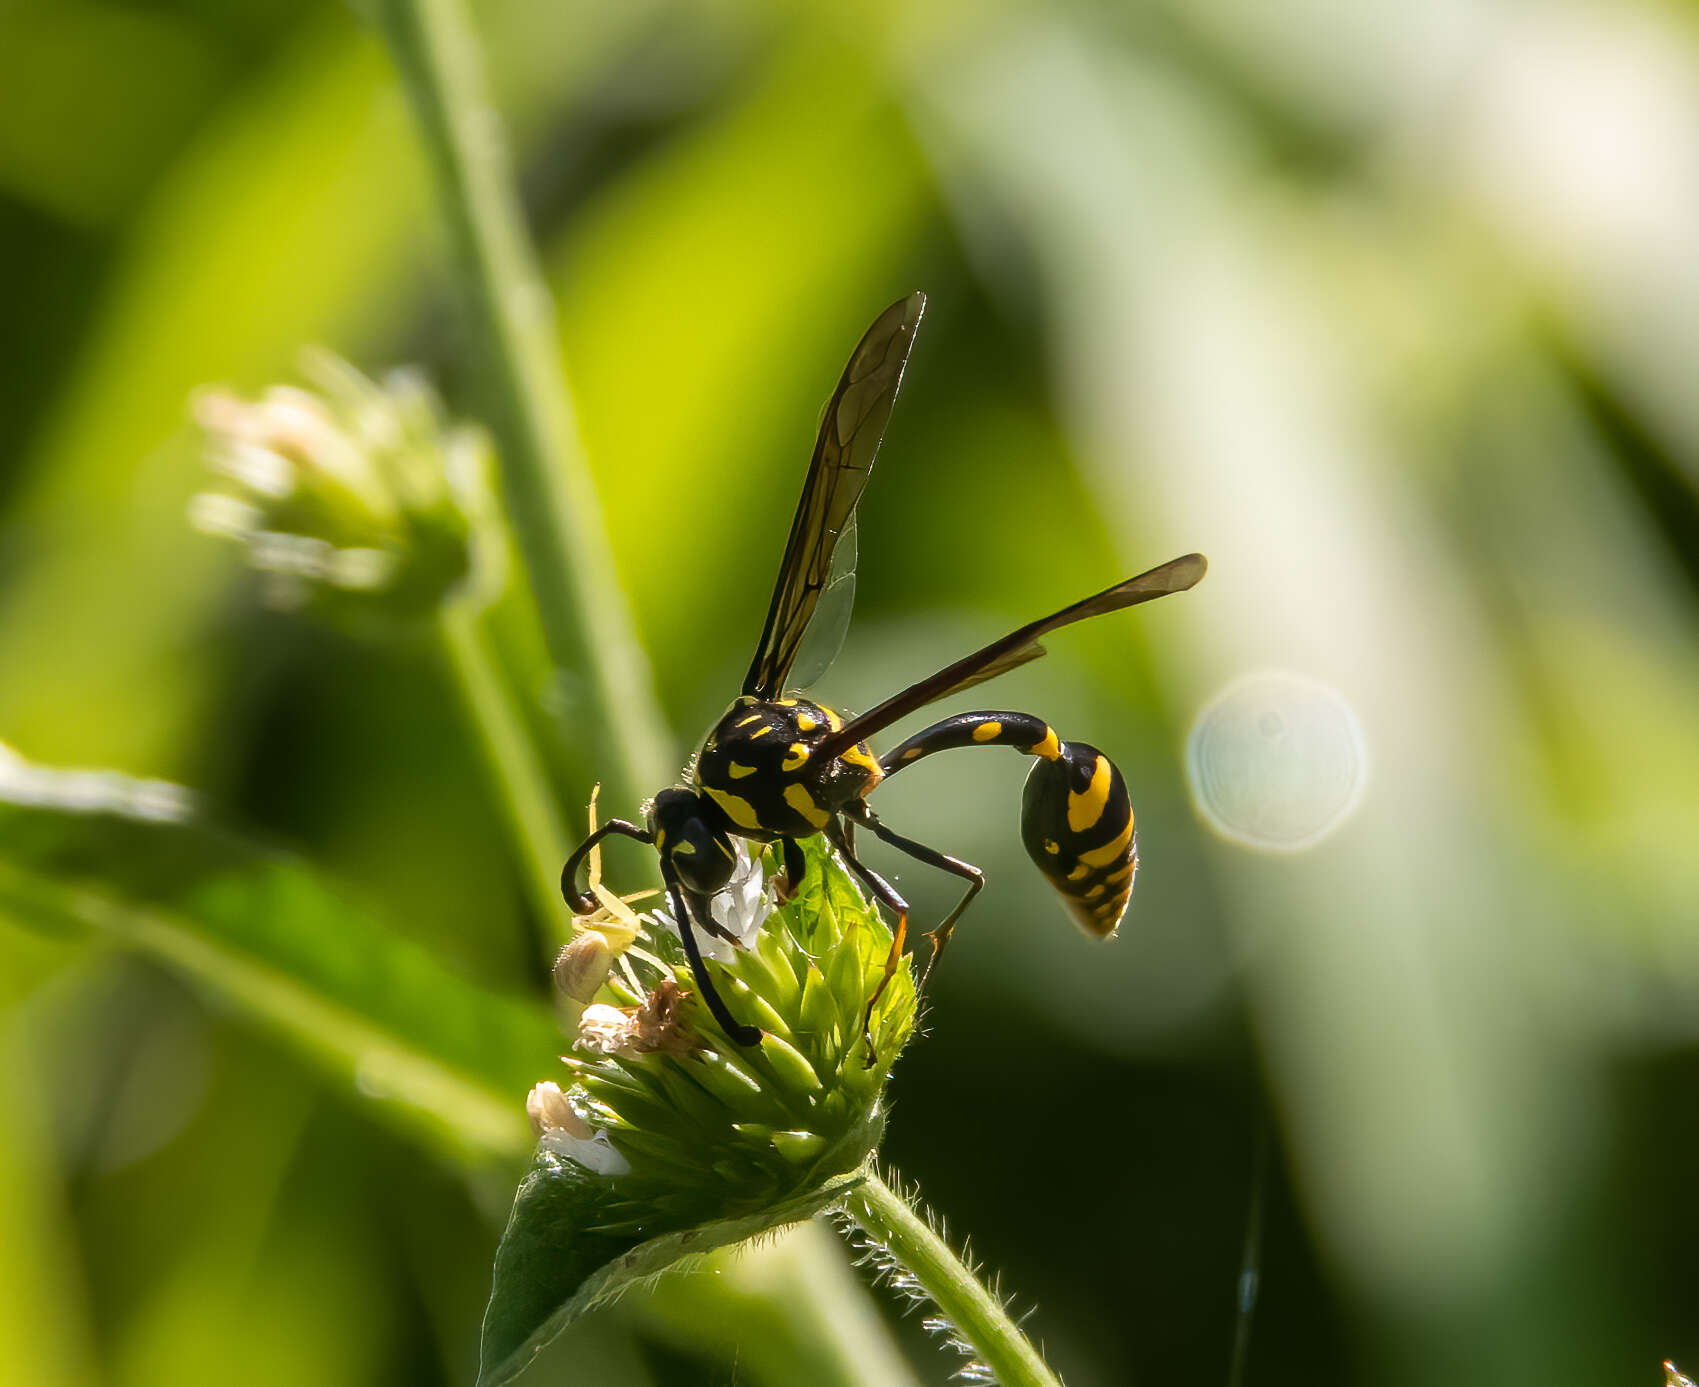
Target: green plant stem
point(976, 1313)
point(523, 788)
point(550, 495)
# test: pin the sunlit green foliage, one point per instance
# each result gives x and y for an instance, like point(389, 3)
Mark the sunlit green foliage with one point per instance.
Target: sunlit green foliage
point(1389, 309)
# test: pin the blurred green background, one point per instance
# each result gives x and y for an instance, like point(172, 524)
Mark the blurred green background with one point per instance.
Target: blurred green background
point(1391, 310)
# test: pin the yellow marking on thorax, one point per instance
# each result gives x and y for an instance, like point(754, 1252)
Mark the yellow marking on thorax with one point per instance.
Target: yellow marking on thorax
point(987, 731)
point(739, 810)
point(1050, 748)
point(753, 717)
point(805, 723)
point(1112, 850)
point(685, 850)
point(758, 732)
point(832, 718)
point(858, 755)
point(1085, 809)
point(726, 848)
point(660, 839)
point(737, 770)
point(799, 799)
point(797, 759)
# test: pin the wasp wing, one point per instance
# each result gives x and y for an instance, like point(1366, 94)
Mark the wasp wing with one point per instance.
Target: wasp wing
point(820, 645)
point(850, 433)
point(1014, 649)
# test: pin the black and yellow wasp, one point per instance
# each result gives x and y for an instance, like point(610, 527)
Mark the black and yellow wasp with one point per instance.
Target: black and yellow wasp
point(778, 768)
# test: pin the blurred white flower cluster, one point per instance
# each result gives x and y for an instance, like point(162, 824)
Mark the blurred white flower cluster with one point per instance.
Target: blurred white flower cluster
point(349, 493)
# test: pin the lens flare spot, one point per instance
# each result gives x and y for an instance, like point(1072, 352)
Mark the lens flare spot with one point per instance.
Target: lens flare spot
point(1276, 761)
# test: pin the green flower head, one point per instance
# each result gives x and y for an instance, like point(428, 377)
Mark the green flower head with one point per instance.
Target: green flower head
point(665, 1137)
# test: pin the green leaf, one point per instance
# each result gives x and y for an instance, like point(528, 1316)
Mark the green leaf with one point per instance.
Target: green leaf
point(555, 1264)
point(132, 861)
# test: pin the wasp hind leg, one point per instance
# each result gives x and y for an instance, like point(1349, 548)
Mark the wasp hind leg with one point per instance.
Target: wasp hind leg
point(887, 896)
point(940, 935)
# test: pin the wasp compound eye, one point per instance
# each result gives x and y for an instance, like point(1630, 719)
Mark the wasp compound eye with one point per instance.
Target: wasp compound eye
point(698, 851)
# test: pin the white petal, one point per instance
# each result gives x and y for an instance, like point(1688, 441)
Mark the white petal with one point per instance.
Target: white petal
point(596, 1153)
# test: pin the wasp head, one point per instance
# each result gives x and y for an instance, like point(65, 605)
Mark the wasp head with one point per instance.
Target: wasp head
point(691, 841)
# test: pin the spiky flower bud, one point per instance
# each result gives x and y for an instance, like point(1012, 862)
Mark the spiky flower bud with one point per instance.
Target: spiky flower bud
point(351, 495)
point(720, 1141)
point(674, 1092)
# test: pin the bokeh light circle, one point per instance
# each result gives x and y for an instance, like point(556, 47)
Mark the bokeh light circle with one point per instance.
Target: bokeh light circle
point(1276, 761)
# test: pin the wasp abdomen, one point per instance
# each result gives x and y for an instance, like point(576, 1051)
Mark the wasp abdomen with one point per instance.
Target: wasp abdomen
point(1077, 825)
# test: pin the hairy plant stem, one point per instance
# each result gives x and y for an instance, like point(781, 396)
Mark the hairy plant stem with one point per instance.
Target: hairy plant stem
point(520, 783)
point(977, 1314)
point(551, 497)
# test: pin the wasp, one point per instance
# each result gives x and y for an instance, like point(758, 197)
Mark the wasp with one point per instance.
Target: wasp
point(778, 767)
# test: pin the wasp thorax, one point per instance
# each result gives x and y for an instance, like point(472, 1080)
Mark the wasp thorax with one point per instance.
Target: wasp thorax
point(760, 766)
point(688, 835)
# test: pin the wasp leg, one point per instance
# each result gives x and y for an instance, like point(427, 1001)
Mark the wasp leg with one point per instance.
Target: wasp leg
point(682, 902)
point(932, 858)
point(795, 868)
point(887, 896)
point(582, 902)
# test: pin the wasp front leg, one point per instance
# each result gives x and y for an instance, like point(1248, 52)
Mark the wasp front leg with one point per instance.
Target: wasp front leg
point(583, 902)
point(690, 907)
point(795, 868)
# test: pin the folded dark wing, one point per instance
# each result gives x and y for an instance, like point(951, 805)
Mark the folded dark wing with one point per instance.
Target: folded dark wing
point(851, 430)
point(1015, 649)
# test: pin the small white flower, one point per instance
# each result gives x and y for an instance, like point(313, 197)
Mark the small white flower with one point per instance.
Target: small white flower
point(603, 1030)
point(214, 513)
point(549, 1111)
point(256, 467)
point(565, 1133)
point(740, 909)
point(595, 1153)
point(362, 570)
